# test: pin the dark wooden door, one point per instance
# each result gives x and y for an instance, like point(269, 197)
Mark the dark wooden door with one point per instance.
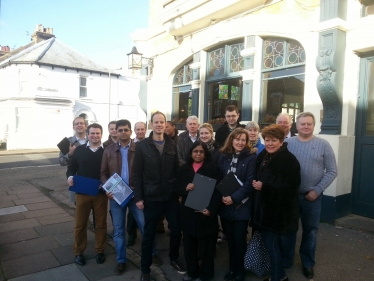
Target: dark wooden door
point(363, 174)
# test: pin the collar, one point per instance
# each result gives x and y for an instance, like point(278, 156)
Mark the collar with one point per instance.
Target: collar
point(85, 138)
point(128, 145)
point(101, 145)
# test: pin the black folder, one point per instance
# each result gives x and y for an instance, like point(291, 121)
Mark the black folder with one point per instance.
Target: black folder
point(200, 196)
point(228, 185)
point(64, 145)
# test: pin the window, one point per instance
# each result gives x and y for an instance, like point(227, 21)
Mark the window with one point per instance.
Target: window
point(283, 76)
point(82, 87)
point(182, 102)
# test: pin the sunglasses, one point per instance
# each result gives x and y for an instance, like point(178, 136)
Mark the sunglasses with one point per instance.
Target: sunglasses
point(123, 130)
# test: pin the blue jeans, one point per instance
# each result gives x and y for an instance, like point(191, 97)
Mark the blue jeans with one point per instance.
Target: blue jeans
point(272, 243)
point(310, 213)
point(119, 222)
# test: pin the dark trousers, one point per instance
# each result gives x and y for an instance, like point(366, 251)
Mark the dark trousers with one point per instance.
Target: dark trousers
point(236, 234)
point(152, 212)
point(131, 224)
point(203, 247)
point(272, 241)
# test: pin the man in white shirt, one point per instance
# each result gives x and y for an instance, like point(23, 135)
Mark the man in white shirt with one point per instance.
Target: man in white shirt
point(187, 138)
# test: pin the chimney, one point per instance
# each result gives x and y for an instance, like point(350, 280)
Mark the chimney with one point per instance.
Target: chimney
point(4, 50)
point(41, 34)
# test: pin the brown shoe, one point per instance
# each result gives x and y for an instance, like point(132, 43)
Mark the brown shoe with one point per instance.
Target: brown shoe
point(120, 269)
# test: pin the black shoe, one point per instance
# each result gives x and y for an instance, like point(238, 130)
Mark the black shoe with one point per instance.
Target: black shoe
point(188, 278)
point(156, 260)
point(131, 240)
point(120, 268)
point(100, 258)
point(308, 272)
point(145, 277)
point(178, 267)
point(79, 259)
point(229, 276)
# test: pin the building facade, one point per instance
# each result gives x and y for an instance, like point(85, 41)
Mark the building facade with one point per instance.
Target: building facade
point(267, 57)
point(46, 84)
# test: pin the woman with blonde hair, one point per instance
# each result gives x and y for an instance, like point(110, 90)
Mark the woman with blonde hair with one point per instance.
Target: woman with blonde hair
point(238, 157)
point(206, 136)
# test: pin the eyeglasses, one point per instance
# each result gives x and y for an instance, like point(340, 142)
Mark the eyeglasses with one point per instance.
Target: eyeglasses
point(198, 151)
point(123, 130)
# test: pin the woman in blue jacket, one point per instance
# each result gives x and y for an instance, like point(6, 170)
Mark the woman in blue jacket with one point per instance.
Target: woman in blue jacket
point(239, 157)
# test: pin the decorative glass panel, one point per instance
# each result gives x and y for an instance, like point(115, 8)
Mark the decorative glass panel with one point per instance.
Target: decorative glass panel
point(279, 53)
point(370, 100)
point(295, 53)
point(188, 74)
point(178, 79)
point(217, 62)
point(236, 60)
point(273, 54)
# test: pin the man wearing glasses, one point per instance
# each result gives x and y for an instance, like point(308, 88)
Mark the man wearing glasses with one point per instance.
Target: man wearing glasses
point(118, 158)
point(232, 116)
point(80, 137)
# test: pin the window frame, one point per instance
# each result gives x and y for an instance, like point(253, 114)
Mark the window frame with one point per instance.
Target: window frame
point(83, 87)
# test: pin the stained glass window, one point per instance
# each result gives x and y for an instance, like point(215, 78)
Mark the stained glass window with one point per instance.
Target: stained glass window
point(279, 53)
point(217, 62)
point(183, 75)
point(179, 76)
point(236, 60)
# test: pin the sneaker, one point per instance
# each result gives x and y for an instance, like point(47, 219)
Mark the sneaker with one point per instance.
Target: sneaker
point(120, 269)
point(156, 260)
point(178, 267)
point(221, 238)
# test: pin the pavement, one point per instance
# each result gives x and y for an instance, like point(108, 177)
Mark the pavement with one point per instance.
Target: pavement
point(36, 237)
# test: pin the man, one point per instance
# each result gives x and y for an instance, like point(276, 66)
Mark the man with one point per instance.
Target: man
point(318, 170)
point(79, 126)
point(155, 171)
point(172, 131)
point(232, 116)
point(112, 134)
point(285, 121)
point(86, 162)
point(187, 138)
point(118, 158)
point(140, 130)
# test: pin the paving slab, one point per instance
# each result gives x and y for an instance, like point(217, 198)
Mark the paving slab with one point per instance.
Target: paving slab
point(68, 272)
point(7, 204)
point(30, 195)
point(53, 219)
point(12, 217)
point(39, 206)
point(53, 229)
point(95, 271)
point(15, 225)
point(132, 273)
point(356, 222)
point(31, 200)
point(29, 264)
point(64, 239)
point(14, 250)
point(43, 212)
point(19, 187)
point(18, 235)
point(13, 210)
point(64, 255)
point(29, 189)
point(8, 198)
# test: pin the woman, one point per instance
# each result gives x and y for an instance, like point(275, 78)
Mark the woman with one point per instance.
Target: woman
point(254, 139)
point(276, 196)
point(172, 131)
point(206, 136)
point(200, 229)
point(239, 157)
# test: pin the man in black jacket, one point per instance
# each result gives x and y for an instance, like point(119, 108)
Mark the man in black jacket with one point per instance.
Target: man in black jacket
point(187, 139)
point(155, 170)
point(232, 116)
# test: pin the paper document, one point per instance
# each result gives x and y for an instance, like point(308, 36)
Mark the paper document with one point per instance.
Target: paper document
point(122, 193)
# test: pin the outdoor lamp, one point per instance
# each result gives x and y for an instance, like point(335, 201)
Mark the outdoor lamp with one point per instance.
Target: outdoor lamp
point(135, 59)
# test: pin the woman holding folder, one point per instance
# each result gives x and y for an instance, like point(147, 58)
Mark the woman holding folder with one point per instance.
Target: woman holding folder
point(276, 196)
point(238, 157)
point(200, 227)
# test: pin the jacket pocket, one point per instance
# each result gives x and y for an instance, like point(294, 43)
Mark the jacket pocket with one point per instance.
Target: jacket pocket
point(151, 190)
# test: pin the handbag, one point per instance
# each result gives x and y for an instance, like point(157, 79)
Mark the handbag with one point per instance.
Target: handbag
point(257, 258)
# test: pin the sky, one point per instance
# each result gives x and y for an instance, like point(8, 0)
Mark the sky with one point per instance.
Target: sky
point(98, 29)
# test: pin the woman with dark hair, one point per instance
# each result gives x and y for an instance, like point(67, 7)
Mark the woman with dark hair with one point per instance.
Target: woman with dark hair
point(276, 196)
point(200, 229)
point(239, 157)
point(172, 131)
point(206, 136)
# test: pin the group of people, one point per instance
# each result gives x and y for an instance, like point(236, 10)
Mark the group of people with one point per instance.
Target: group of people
point(281, 181)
